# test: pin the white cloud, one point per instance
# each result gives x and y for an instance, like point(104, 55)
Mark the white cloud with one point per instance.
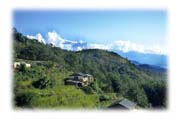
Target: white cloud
point(67, 47)
point(55, 39)
point(121, 45)
point(81, 41)
point(99, 46)
point(156, 49)
point(58, 41)
point(127, 46)
point(79, 48)
point(31, 37)
point(38, 37)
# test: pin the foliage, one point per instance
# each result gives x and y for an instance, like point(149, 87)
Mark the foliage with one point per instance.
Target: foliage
point(88, 90)
point(156, 93)
point(43, 82)
point(22, 68)
point(104, 97)
point(25, 98)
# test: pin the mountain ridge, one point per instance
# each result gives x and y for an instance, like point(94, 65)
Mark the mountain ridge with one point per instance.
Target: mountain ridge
point(143, 58)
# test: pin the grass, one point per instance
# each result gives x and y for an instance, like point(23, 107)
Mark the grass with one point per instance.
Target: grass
point(60, 96)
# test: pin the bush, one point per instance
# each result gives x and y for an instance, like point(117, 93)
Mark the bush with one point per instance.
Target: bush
point(88, 90)
point(24, 99)
point(22, 68)
point(104, 98)
point(95, 87)
point(43, 83)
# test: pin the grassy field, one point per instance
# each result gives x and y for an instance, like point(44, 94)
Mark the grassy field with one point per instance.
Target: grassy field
point(58, 96)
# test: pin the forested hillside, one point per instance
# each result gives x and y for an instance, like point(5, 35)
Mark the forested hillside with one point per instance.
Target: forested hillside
point(42, 85)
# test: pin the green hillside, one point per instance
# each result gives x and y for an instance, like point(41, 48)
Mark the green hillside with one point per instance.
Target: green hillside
point(42, 85)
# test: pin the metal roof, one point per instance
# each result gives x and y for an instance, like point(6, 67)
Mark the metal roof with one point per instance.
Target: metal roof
point(80, 74)
point(77, 74)
point(124, 103)
point(128, 104)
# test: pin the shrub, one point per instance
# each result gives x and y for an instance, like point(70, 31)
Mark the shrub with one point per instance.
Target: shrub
point(104, 98)
point(43, 83)
point(22, 68)
point(24, 99)
point(88, 90)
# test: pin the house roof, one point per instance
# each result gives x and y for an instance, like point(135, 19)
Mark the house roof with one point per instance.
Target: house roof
point(77, 74)
point(128, 104)
point(80, 74)
point(87, 75)
point(125, 103)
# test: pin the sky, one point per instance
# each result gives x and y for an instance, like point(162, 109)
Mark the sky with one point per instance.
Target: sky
point(126, 30)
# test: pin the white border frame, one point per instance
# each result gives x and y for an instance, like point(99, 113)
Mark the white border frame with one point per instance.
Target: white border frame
point(6, 108)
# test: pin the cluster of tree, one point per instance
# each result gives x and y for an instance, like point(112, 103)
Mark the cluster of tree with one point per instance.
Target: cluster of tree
point(113, 73)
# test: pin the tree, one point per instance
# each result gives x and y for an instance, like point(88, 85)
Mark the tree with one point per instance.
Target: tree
point(156, 93)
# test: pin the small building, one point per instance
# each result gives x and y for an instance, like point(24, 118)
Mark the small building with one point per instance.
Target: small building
point(18, 64)
point(27, 65)
point(79, 79)
point(123, 104)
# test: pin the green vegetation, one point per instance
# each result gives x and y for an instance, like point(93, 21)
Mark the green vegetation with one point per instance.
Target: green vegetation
point(42, 85)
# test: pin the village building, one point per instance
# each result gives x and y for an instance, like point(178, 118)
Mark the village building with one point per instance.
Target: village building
point(123, 104)
point(18, 64)
point(79, 79)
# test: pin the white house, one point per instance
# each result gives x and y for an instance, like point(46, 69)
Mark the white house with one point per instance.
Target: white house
point(28, 65)
point(18, 64)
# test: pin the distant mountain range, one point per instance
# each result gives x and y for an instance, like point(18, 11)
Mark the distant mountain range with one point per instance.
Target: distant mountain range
point(150, 58)
point(151, 68)
point(142, 58)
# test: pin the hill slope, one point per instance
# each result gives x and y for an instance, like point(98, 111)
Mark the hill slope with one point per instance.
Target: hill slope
point(116, 77)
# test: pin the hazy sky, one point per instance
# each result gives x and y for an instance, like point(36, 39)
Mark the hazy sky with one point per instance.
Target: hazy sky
point(147, 28)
